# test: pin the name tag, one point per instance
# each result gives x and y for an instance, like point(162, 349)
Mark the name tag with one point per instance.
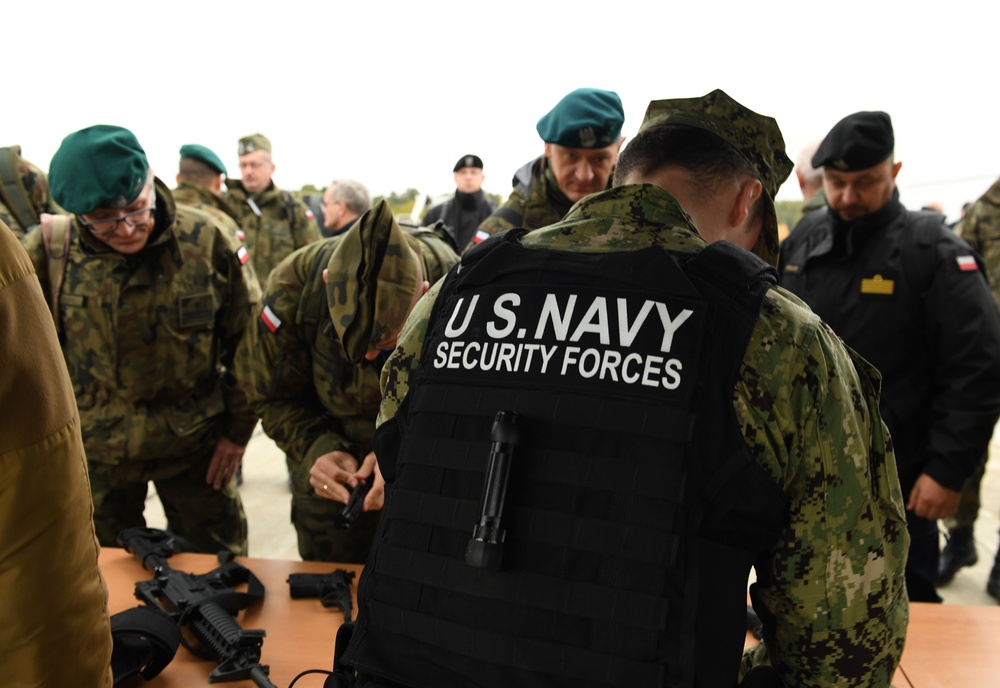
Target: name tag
point(196, 310)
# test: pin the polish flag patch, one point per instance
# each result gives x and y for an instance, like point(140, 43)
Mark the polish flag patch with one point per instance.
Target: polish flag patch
point(309, 214)
point(966, 263)
point(271, 321)
point(481, 235)
point(241, 235)
point(243, 255)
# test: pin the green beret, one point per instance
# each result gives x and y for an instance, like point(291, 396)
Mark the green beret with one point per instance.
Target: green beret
point(98, 167)
point(756, 138)
point(254, 142)
point(857, 142)
point(371, 279)
point(203, 154)
point(585, 118)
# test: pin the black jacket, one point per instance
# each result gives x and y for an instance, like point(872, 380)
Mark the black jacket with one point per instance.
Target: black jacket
point(910, 297)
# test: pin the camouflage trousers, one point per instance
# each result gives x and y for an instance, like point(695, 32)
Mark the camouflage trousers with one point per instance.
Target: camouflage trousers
point(211, 520)
point(968, 506)
point(315, 519)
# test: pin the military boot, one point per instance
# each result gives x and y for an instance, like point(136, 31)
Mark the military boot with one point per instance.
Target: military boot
point(993, 582)
point(960, 551)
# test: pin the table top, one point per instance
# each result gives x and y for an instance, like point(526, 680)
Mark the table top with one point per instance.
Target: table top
point(946, 646)
point(300, 633)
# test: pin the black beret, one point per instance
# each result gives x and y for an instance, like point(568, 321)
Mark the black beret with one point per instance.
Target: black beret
point(468, 161)
point(857, 142)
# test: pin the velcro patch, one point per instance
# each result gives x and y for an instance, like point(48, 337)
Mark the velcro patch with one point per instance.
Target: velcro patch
point(196, 309)
point(617, 342)
point(243, 255)
point(966, 263)
point(271, 321)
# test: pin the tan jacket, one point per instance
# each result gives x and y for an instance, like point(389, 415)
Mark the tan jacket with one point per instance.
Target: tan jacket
point(53, 603)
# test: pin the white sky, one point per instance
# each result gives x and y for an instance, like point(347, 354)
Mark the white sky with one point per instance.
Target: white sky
point(393, 93)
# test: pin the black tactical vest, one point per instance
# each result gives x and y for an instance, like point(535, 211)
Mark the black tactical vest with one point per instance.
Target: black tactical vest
point(633, 511)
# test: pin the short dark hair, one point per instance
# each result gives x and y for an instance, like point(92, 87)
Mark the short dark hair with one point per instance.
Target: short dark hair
point(196, 172)
point(709, 159)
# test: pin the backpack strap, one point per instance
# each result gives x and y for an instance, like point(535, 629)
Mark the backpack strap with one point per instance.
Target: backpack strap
point(917, 253)
point(12, 191)
point(56, 232)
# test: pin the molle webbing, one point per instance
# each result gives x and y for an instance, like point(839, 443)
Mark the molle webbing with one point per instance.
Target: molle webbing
point(602, 563)
point(593, 555)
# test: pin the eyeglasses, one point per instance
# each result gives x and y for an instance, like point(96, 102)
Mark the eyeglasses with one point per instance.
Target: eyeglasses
point(109, 225)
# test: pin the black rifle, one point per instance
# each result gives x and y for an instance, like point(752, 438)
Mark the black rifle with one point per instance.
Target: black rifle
point(205, 604)
point(333, 589)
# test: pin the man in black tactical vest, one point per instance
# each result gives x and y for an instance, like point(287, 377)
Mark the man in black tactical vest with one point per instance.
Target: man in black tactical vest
point(592, 431)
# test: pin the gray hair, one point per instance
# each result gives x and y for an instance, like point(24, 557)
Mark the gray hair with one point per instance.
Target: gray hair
point(811, 175)
point(353, 194)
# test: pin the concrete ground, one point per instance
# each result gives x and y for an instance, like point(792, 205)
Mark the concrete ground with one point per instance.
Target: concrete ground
point(266, 499)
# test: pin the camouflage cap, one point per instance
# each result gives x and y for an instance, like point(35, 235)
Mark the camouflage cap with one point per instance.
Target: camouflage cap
point(584, 118)
point(757, 138)
point(372, 277)
point(205, 155)
point(254, 142)
point(98, 167)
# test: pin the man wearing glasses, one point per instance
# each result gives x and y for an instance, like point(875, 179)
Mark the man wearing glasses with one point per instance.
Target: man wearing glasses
point(155, 297)
point(274, 221)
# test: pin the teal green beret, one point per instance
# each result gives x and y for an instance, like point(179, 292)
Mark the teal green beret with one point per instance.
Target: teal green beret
point(98, 167)
point(203, 154)
point(585, 118)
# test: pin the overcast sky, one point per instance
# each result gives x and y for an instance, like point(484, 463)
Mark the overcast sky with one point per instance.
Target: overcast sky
point(392, 94)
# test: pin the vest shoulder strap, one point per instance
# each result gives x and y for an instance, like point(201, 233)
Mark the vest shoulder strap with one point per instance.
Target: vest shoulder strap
point(737, 275)
point(12, 191)
point(56, 232)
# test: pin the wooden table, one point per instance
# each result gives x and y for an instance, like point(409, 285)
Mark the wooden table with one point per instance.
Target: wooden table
point(947, 646)
point(300, 633)
point(951, 646)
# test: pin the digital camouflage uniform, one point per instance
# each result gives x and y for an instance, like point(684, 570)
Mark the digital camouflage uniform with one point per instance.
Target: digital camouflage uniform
point(201, 198)
point(33, 184)
point(834, 581)
point(315, 396)
point(831, 590)
point(274, 224)
point(536, 198)
point(981, 229)
point(149, 341)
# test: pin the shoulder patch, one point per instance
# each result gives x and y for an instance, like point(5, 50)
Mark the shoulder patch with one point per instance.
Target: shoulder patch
point(243, 255)
point(309, 214)
point(481, 235)
point(270, 319)
point(966, 263)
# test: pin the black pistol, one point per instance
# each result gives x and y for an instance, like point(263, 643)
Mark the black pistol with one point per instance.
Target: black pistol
point(333, 589)
point(485, 548)
point(349, 514)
